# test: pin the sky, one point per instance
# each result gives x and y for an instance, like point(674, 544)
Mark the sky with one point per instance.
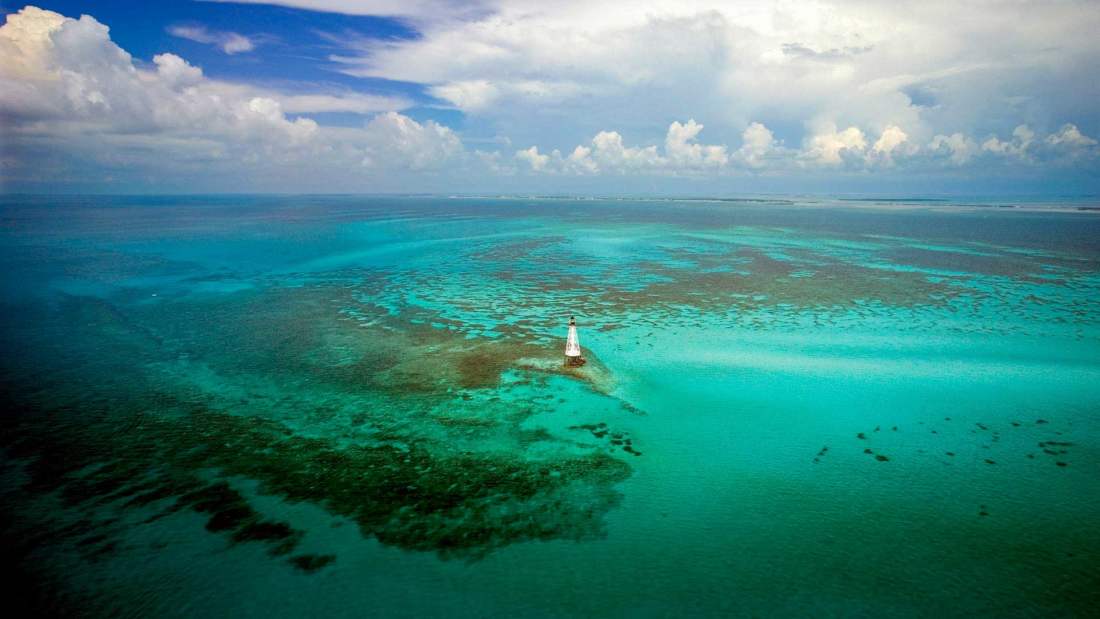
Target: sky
point(646, 97)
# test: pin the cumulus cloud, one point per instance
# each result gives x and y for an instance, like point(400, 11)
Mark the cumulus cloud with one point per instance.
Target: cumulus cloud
point(176, 72)
point(892, 137)
point(406, 142)
point(533, 158)
point(778, 63)
point(550, 75)
point(831, 147)
point(892, 144)
point(1070, 137)
point(758, 147)
point(828, 149)
point(683, 151)
point(1022, 138)
point(610, 153)
point(65, 85)
point(607, 152)
point(956, 148)
point(68, 72)
point(228, 42)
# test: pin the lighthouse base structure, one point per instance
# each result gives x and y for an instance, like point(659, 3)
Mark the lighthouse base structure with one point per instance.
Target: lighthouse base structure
point(573, 358)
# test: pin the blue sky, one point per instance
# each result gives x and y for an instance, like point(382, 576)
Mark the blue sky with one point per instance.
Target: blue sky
point(504, 96)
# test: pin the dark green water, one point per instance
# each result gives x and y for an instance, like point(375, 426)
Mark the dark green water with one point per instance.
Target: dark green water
point(349, 406)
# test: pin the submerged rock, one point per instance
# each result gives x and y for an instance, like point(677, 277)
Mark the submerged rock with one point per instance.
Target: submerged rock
point(311, 563)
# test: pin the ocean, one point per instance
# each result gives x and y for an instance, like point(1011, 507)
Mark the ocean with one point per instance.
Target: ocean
point(268, 406)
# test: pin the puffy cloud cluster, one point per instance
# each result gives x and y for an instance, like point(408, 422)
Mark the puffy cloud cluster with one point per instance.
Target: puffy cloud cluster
point(682, 154)
point(825, 148)
point(831, 147)
point(550, 75)
point(758, 147)
point(66, 87)
point(394, 138)
point(1022, 137)
point(956, 148)
point(1070, 137)
point(524, 66)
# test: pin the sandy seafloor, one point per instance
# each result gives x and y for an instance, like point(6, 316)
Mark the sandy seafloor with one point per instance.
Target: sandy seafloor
point(355, 406)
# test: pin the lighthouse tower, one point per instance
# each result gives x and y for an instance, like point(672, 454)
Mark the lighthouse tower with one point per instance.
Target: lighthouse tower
point(573, 356)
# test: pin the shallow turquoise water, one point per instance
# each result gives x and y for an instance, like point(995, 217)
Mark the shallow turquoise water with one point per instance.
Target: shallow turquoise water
point(277, 406)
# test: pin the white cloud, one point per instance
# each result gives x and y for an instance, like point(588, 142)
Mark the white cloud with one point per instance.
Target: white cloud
point(892, 143)
point(550, 75)
point(580, 161)
point(394, 138)
point(176, 72)
point(957, 148)
point(73, 78)
point(682, 154)
point(1069, 136)
point(474, 96)
point(469, 95)
point(758, 146)
point(634, 64)
point(892, 137)
point(1022, 138)
point(830, 147)
point(610, 153)
point(228, 42)
point(682, 149)
point(532, 158)
point(345, 102)
point(65, 86)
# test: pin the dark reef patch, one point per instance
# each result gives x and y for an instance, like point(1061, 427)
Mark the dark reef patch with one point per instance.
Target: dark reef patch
point(456, 504)
point(129, 434)
point(311, 563)
point(617, 440)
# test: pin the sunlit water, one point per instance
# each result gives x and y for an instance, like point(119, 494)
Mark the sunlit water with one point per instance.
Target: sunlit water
point(347, 406)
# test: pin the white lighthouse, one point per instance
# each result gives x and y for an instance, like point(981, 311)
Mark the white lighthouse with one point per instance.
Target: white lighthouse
point(573, 356)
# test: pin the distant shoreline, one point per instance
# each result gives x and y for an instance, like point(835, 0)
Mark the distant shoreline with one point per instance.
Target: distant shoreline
point(1026, 204)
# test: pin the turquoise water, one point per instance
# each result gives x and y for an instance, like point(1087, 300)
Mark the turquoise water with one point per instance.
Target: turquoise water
point(350, 406)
